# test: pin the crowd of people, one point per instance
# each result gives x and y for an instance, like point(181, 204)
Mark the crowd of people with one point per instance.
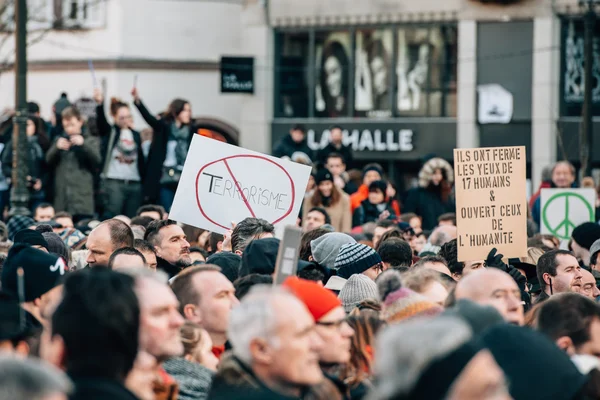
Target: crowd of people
point(129, 304)
point(94, 166)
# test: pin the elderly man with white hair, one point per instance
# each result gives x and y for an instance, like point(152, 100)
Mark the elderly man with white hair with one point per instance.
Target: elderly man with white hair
point(435, 359)
point(274, 349)
point(31, 379)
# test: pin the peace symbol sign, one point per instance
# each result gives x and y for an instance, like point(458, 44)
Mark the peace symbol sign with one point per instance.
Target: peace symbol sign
point(573, 203)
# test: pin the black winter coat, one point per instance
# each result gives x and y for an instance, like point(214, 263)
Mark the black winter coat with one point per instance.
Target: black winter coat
point(100, 389)
point(37, 161)
point(104, 131)
point(428, 205)
point(368, 212)
point(158, 152)
point(286, 147)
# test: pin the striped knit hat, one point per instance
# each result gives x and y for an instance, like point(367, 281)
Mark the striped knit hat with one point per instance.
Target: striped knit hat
point(355, 258)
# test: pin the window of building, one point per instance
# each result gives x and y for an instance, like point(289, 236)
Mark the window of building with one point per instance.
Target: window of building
point(292, 76)
point(572, 61)
point(368, 72)
point(39, 15)
point(426, 72)
point(59, 14)
point(332, 87)
point(373, 73)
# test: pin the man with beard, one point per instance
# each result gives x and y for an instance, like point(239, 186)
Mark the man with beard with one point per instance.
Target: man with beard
point(558, 272)
point(160, 324)
point(171, 245)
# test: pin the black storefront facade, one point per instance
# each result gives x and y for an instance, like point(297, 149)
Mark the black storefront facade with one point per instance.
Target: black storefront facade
point(572, 85)
point(392, 88)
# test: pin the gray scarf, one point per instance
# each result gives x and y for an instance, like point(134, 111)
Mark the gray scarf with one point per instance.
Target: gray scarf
point(181, 135)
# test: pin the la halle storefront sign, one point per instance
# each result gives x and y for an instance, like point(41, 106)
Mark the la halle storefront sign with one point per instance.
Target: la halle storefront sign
point(383, 141)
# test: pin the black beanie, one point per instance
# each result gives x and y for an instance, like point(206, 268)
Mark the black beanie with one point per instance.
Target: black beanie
point(260, 257)
point(586, 234)
point(378, 185)
point(229, 263)
point(323, 175)
point(41, 271)
point(30, 237)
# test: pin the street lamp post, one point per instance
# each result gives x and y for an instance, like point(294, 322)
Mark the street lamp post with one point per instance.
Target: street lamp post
point(19, 197)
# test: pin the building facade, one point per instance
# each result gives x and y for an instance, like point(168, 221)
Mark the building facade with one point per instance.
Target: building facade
point(170, 49)
point(406, 79)
point(409, 79)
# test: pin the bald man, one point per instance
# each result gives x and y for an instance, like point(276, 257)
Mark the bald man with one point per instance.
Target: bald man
point(495, 288)
point(588, 285)
point(442, 235)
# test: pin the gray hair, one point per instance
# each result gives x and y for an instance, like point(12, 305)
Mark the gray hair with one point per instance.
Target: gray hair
point(145, 273)
point(30, 379)
point(255, 317)
point(405, 350)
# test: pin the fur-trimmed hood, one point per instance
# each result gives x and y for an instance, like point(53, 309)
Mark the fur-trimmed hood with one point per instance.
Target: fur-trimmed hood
point(429, 168)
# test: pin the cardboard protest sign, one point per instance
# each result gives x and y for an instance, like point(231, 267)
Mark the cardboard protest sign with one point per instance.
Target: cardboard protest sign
point(491, 205)
point(287, 255)
point(221, 183)
point(563, 209)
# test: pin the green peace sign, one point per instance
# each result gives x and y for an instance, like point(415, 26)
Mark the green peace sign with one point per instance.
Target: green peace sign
point(565, 225)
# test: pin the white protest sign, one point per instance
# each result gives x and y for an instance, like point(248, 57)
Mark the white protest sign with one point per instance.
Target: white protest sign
point(563, 209)
point(222, 183)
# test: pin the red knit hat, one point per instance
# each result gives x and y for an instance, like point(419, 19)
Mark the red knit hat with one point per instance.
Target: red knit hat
point(317, 299)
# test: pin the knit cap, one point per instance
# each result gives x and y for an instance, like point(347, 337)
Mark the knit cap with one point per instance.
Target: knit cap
point(31, 237)
point(317, 299)
point(17, 223)
point(400, 303)
point(358, 288)
point(323, 175)
point(595, 248)
point(41, 271)
point(586, 234)
point(355, 258)
point(326, 248)
point(55, 243)
point(229, 263)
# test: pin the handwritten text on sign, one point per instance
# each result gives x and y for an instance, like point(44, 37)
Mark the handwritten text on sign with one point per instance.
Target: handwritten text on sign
point(491, 209)
point(221, 184)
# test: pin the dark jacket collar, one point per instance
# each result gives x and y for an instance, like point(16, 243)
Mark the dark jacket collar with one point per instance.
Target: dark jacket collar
point(99, 389)
point(167, 267)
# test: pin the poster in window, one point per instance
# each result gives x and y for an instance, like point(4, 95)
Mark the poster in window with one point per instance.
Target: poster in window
point(420, 58)
point(332, 60)
point(574, 47)
point(372, 73)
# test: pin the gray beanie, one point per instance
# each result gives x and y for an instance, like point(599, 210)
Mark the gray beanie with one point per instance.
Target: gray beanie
point(55, 243)
point(326, 248)
point(594, 248)
point(359, 287)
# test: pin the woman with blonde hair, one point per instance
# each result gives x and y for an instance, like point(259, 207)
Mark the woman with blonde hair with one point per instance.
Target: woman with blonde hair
point(194, 370)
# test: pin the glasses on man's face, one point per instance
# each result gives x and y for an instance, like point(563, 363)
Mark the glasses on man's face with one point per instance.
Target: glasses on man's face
point(333, 324)
point(125, 118)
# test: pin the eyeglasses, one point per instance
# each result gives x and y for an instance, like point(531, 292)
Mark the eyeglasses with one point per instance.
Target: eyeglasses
point(333, 324)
